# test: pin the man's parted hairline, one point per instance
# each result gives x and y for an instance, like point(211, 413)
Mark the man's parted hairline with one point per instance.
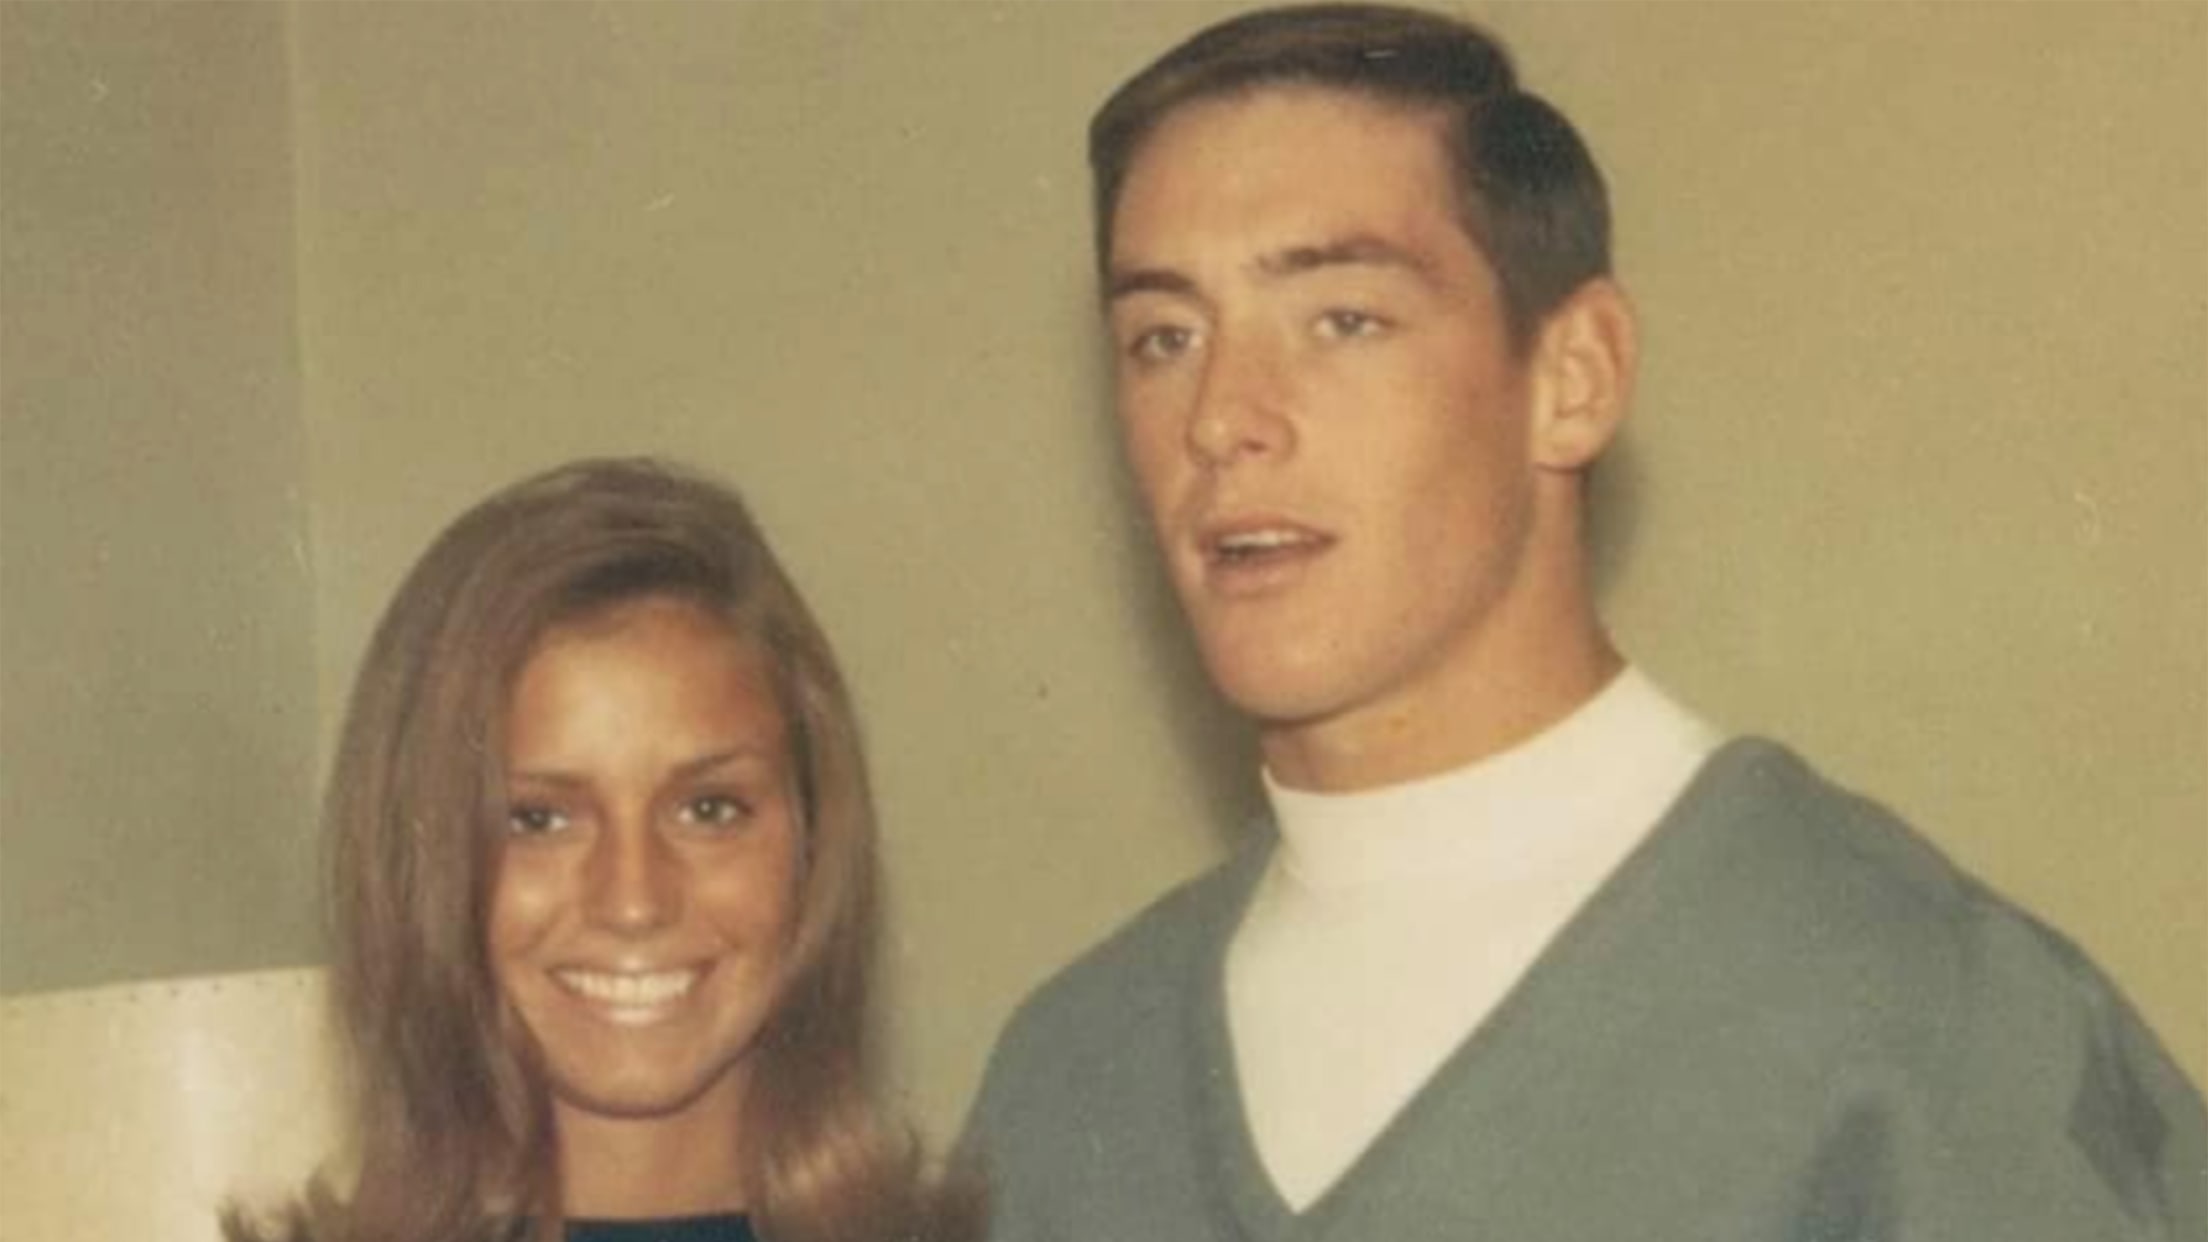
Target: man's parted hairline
point(1527, 191)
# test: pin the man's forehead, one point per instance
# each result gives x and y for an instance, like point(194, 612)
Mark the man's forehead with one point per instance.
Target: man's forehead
point(1285, 170)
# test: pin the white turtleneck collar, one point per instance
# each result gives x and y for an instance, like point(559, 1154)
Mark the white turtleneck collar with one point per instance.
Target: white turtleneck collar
point(1621, 756)
point(1391, 921)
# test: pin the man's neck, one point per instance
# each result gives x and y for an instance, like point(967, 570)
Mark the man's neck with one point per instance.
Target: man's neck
point(1486, 705)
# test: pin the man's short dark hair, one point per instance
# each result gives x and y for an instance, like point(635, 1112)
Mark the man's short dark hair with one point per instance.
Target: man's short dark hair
point(1528, 192)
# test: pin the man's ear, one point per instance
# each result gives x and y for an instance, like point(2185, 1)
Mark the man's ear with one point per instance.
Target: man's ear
point(1582, 375)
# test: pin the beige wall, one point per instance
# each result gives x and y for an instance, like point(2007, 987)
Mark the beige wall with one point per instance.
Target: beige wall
point(1917, 480)
point(157, 714)
point(1920, 481)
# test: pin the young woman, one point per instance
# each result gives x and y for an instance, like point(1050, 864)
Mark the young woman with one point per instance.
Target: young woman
point(602, 855)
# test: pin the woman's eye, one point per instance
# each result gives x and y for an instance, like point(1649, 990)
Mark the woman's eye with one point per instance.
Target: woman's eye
point(716, 811)
point(529, 820)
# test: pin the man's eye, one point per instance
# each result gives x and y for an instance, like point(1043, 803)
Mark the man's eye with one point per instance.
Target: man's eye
point(1160, 344)
point(530, 820)
point(716, 811)
point(1343, 325)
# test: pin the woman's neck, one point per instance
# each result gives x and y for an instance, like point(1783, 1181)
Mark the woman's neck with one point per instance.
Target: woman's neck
point(626, 1168)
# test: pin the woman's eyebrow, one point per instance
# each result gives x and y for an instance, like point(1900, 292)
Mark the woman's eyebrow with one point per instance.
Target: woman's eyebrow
point(722, 758)
point(560, 778)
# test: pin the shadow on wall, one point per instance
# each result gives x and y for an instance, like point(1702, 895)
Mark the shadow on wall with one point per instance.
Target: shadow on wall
point(1615, 491)
point(1213, 741)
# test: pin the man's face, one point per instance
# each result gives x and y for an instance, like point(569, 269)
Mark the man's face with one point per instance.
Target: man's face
point(1323, 409)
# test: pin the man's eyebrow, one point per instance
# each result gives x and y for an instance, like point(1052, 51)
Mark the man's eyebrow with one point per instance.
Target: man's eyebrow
point(1120, 283)
point(1357, 250)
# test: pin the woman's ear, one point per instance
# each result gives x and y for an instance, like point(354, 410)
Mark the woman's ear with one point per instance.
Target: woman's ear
point(1582, 375)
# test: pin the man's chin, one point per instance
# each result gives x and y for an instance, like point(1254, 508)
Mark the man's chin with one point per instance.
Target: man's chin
point(1276, 701)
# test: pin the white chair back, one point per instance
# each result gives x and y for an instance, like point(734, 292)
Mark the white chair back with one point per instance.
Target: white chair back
point(133, 1111)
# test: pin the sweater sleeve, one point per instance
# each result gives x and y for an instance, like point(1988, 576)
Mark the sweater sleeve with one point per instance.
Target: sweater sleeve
point(2066, 1120)
point(1005, 1108)
point(1085, 1126)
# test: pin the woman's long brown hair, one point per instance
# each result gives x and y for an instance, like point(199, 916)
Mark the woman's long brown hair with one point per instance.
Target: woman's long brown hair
point(452, 1131)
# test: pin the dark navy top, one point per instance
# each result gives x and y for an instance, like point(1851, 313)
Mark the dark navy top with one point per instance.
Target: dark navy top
point(726, 1227)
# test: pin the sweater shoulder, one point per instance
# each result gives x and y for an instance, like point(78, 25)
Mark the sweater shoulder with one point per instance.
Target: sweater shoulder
point(1098, 1043)
point(1859, 904)
point(1855, 873)
point(1139, 971)
point(2020, 1046)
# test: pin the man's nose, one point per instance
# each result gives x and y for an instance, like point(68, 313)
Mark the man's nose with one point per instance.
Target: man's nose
point(1242, 408)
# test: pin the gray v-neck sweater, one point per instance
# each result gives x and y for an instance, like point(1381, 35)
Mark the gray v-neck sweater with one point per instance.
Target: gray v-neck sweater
point(1784, 1018)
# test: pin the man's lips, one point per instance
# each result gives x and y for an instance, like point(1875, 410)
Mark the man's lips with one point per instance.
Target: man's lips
point(1256, 542)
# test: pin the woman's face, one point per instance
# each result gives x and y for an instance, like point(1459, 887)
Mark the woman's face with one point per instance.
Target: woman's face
point(647, 892)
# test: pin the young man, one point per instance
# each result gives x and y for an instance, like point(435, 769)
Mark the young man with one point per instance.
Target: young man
point(1536, 954)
